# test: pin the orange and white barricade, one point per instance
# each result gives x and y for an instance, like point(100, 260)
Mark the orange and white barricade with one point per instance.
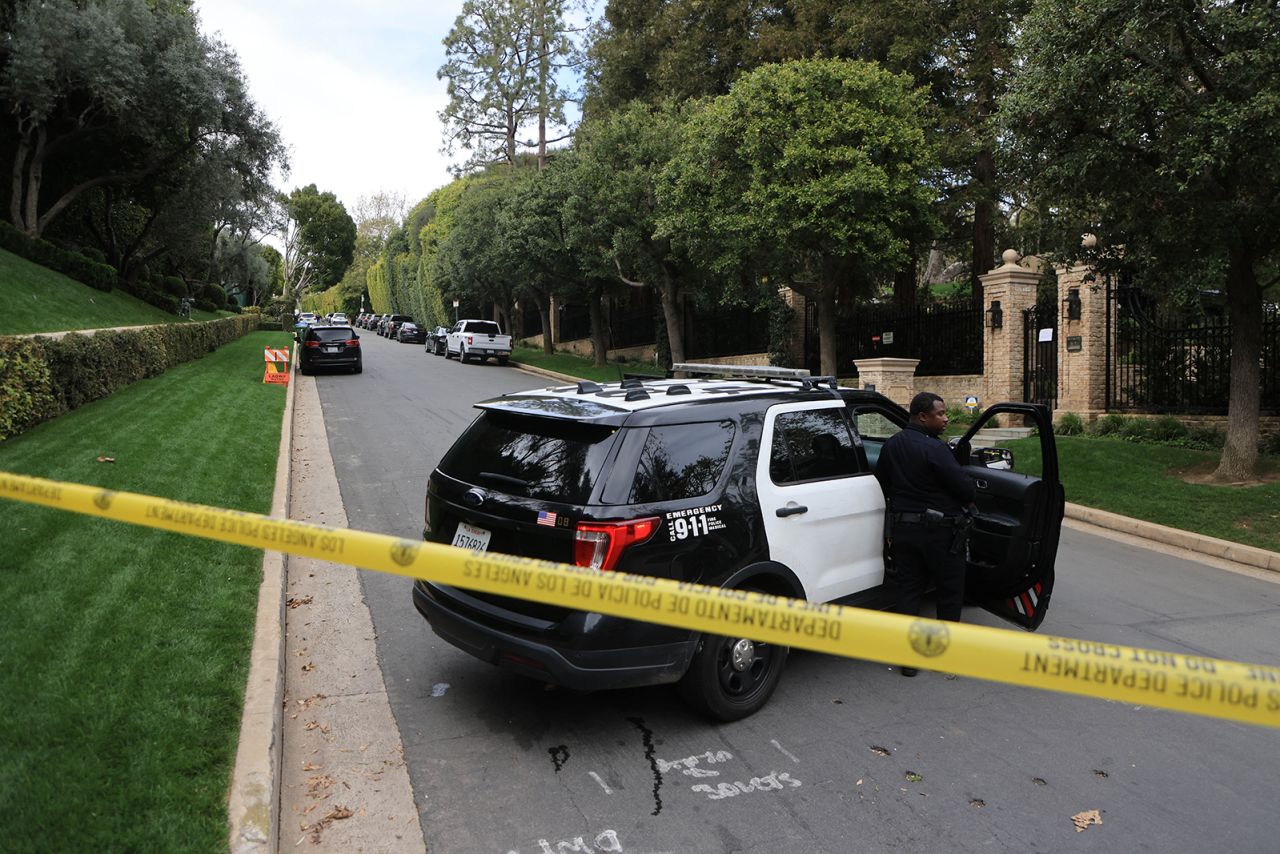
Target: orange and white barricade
point(274, 356)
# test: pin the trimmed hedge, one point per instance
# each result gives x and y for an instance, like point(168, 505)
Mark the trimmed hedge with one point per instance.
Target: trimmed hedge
point(41, 378)
point(101, 277)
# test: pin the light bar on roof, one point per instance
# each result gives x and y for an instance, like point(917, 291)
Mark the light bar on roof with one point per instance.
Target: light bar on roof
point(761, 371)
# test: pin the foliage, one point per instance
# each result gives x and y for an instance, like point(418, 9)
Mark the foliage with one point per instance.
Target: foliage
point(1156, 121)
point(98, 276)
point(503, 63)
point(1070, 424)
point(319, 239)
point(42, 378)
point(813, 172)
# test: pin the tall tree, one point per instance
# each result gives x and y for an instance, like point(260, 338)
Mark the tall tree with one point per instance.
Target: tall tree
point(319, 239)
point(502, 59)
point(119, 93)
point(1160, 119)
point(814, 171)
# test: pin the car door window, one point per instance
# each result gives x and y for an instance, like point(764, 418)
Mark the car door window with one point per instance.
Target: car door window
point(874, 427)
point(811, 445)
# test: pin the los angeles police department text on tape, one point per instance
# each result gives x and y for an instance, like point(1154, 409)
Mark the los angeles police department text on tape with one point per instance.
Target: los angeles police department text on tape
point(1248, 693)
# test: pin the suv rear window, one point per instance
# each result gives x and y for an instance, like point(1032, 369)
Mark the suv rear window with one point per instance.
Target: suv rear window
point(484, 328)
point(337, 333)
point(681, 461)
point(544, 458)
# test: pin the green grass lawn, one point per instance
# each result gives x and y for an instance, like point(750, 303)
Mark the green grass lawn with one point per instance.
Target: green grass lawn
point(37, 299)
point(1144, 481)
point(125, 650)
point(577, 366)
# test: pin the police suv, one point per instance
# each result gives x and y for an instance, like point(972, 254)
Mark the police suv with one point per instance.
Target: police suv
point(751, 478)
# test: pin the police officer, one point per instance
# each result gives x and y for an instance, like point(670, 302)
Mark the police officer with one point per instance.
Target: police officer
point(929, 498)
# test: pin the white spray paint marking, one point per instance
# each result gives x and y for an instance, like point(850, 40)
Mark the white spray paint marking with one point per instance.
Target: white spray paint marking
point(689, 765)
point(771, 783)
point(602, 783)
point(785, 752)
point(438, 689)
point(606, 841)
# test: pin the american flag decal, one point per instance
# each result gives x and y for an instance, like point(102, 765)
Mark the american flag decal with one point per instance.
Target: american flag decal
point(545, 518)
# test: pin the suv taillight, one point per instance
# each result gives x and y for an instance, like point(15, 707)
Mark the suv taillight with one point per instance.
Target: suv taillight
point(599, 545)
point(354, 342)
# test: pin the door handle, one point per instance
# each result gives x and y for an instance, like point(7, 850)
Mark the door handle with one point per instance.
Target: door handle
point(791, 510)
point(980, 483)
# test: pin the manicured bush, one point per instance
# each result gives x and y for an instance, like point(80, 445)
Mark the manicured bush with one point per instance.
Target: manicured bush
point(1070, 424)
point(1167, 429)
point(99, 276)
point(1109, 425)
point(41, 378)
point(1135, 430)
point(174, 286)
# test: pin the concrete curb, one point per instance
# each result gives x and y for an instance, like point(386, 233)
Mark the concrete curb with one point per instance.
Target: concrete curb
point(1189, 540)
point(253, 801)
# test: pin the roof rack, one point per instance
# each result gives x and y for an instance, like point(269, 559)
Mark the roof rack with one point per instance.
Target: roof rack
point(745, 371)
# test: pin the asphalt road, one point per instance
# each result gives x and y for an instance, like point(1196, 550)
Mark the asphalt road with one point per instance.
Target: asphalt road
point(848, 756)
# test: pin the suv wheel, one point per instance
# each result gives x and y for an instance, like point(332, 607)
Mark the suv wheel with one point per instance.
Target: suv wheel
point(731, 678)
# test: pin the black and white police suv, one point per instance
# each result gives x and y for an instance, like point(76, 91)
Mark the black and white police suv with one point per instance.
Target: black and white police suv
point(747, 478)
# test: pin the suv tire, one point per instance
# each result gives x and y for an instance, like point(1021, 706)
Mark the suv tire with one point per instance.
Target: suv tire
point(720, 685)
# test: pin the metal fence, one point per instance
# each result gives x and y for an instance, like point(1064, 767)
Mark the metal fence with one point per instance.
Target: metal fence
point(1040, 354)
point(945, 336)
point(1166, 357)
point(725, 330)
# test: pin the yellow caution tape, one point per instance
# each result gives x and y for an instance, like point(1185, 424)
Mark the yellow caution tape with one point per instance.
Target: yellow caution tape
point(1248, 693)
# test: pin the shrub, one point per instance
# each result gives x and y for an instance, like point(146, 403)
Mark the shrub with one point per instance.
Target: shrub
point(1203, 439)
point(174, 286)
point(1135, 430)
point(1069, 424)
point(85, 270)
point(41, 378)
point(1167, 429)
point(1109, 425)
point(1269, 443)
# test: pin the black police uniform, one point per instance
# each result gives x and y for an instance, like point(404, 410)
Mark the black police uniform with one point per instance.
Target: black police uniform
point(921, 479)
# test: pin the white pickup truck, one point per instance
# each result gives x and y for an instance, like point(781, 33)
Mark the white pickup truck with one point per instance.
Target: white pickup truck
point(477, 339)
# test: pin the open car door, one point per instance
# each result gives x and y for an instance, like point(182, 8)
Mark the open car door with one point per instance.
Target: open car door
point(1014, 541)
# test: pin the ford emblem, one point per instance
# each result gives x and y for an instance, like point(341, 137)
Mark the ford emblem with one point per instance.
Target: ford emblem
point(473, 498)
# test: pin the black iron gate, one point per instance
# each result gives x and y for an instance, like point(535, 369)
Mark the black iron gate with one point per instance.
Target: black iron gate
point(1040, 354)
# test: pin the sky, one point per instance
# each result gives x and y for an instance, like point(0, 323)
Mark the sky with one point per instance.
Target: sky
point(351, 86)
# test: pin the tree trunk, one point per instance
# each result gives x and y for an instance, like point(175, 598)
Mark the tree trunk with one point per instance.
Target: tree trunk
point(827, 329)
point(669, 292)
point(15, 197)
point(1240, 456)
point(984, 237)
point(599, 342)
point(544, 313)
point(35, 175)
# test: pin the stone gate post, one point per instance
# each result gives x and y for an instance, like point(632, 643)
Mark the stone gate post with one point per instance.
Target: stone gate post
point(1010, 288)
point(1082, 347)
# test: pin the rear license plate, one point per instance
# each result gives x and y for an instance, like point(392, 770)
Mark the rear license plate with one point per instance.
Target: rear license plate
point(330, 349)
point(471, 537)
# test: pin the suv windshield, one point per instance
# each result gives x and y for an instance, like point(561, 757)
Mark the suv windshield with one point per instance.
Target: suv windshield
point(543, 458)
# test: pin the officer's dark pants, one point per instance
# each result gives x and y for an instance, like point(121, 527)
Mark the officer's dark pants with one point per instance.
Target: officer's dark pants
point(921, 554)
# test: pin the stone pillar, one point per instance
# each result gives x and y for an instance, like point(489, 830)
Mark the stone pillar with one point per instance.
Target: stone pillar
point(1014, 287)
point(1082, 344)
point(894, 378)
point(795, 330)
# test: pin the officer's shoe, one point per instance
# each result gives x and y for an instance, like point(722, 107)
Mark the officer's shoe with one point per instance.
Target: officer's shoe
point(908, 671)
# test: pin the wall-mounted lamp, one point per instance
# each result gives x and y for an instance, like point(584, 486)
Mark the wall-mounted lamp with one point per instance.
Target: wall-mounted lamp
point(1073, 303)
point(995, 315)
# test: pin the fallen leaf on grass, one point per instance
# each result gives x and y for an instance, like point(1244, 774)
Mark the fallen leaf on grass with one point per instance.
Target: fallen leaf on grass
point(106, 459)
point(1083, 819)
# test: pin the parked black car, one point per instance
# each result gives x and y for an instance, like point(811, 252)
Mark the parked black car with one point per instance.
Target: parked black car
point(436, 342)
point(329, 347)
point(757, 480)
point(411, 333)
point(393, 324)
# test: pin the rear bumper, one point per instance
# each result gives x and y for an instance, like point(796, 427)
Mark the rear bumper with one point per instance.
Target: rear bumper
point(332, 360)
point(460, 619)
